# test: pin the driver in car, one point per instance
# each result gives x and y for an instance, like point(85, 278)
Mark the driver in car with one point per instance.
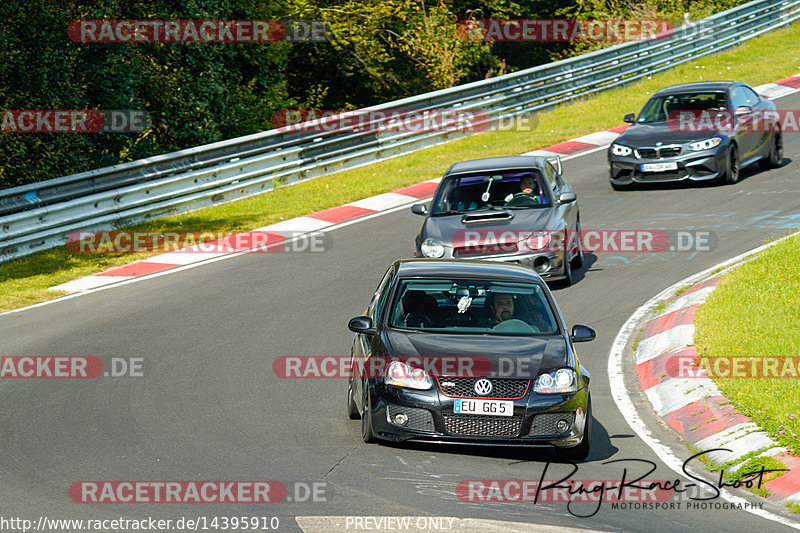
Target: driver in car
point(527, 194)
point(501, 305)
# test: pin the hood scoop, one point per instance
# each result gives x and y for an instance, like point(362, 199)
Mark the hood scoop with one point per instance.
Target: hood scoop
point(487, 216)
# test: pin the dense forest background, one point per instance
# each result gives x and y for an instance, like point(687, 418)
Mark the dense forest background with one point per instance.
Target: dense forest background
point(205, 92)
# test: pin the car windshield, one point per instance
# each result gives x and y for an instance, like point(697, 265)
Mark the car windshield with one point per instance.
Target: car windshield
point(474, 307)
point(661, 108)
point(517, 189)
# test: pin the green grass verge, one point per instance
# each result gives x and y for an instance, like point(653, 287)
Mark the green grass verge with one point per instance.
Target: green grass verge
point(754, 313)
point(768, 58)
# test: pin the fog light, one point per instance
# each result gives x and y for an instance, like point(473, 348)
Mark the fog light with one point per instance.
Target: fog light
point(541, 265)
point(562, 425)
point(400, 419)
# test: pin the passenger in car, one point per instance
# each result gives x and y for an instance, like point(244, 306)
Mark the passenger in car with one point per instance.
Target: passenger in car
point(419, 309)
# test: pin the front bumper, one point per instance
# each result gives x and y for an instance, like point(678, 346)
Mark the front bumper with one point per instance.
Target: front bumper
point(549, 265)
point(431, 418)
point(693, 166)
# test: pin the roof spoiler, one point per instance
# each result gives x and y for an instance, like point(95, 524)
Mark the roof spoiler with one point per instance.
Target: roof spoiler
point(556, 162)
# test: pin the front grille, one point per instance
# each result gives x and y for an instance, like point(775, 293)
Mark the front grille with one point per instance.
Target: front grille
point(482, 426)
point(655, 153)
point(672, 151)
point(660, 176)
point(418, 419)
point(509, 389)
point(466, 252)
point(545, 424)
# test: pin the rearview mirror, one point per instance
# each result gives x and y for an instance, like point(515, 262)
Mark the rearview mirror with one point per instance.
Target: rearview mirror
point(567, 197)
point(361, 324)
point(419, 209)
point(581, 333)
point(629, 118)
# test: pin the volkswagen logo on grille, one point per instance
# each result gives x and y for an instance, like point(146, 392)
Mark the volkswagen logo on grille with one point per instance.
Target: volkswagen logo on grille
point(483, 387)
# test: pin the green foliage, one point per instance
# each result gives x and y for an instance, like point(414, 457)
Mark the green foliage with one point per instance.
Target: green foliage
point(194, 93)
point(205, 92)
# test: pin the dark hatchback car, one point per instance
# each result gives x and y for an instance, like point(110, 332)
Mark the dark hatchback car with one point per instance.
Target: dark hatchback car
point(696, 131)
point(515, 209)
point(469, 352)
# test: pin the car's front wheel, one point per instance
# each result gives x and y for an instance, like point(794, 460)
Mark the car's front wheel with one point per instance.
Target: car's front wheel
point(775, 157)
point(367, 434)
point(581, 451)
point(577, 261)
point(732, 165)
point(567, 281)
point(352, 407)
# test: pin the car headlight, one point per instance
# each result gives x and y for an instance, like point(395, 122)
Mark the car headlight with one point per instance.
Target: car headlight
point(559, 381)
point(432, 248)
point(402, 375)
point(705, 144)
point(538, 240)
point(618, 149)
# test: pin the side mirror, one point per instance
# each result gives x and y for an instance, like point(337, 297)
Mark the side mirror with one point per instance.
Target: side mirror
point(629, 118)
point(581, 333)
point(743, 111)
point(419, 209)
point(361, 324)
point(567, 197)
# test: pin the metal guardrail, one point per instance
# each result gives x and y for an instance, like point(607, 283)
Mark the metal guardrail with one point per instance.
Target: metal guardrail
point(41, 215)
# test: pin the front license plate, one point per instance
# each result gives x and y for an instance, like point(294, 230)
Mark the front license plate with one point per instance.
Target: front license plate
point(659, 167)
point(484, 407)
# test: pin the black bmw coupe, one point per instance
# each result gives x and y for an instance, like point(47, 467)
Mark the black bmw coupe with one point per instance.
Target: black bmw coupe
point(699, 132)
point(471, 352)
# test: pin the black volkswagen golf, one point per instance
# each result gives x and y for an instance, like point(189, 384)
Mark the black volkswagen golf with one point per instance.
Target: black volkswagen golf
point(699, 132)
point(472, 352)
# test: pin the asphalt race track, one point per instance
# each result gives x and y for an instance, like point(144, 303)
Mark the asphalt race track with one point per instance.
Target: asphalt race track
point(209, 406)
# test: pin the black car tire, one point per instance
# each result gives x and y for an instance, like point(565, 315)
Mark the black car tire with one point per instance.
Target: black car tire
point(581, 451)
point(367, 434)
point(775, 157)
point(577, 261)
point(732, 169)
point(352, 407)
point(567, 281)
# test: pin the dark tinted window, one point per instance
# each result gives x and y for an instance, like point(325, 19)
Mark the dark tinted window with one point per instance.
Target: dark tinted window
point(460, 194)
point(660, 108)
point(379, 298)
point(751, 96)
point(468, 306)
point(744, 97)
